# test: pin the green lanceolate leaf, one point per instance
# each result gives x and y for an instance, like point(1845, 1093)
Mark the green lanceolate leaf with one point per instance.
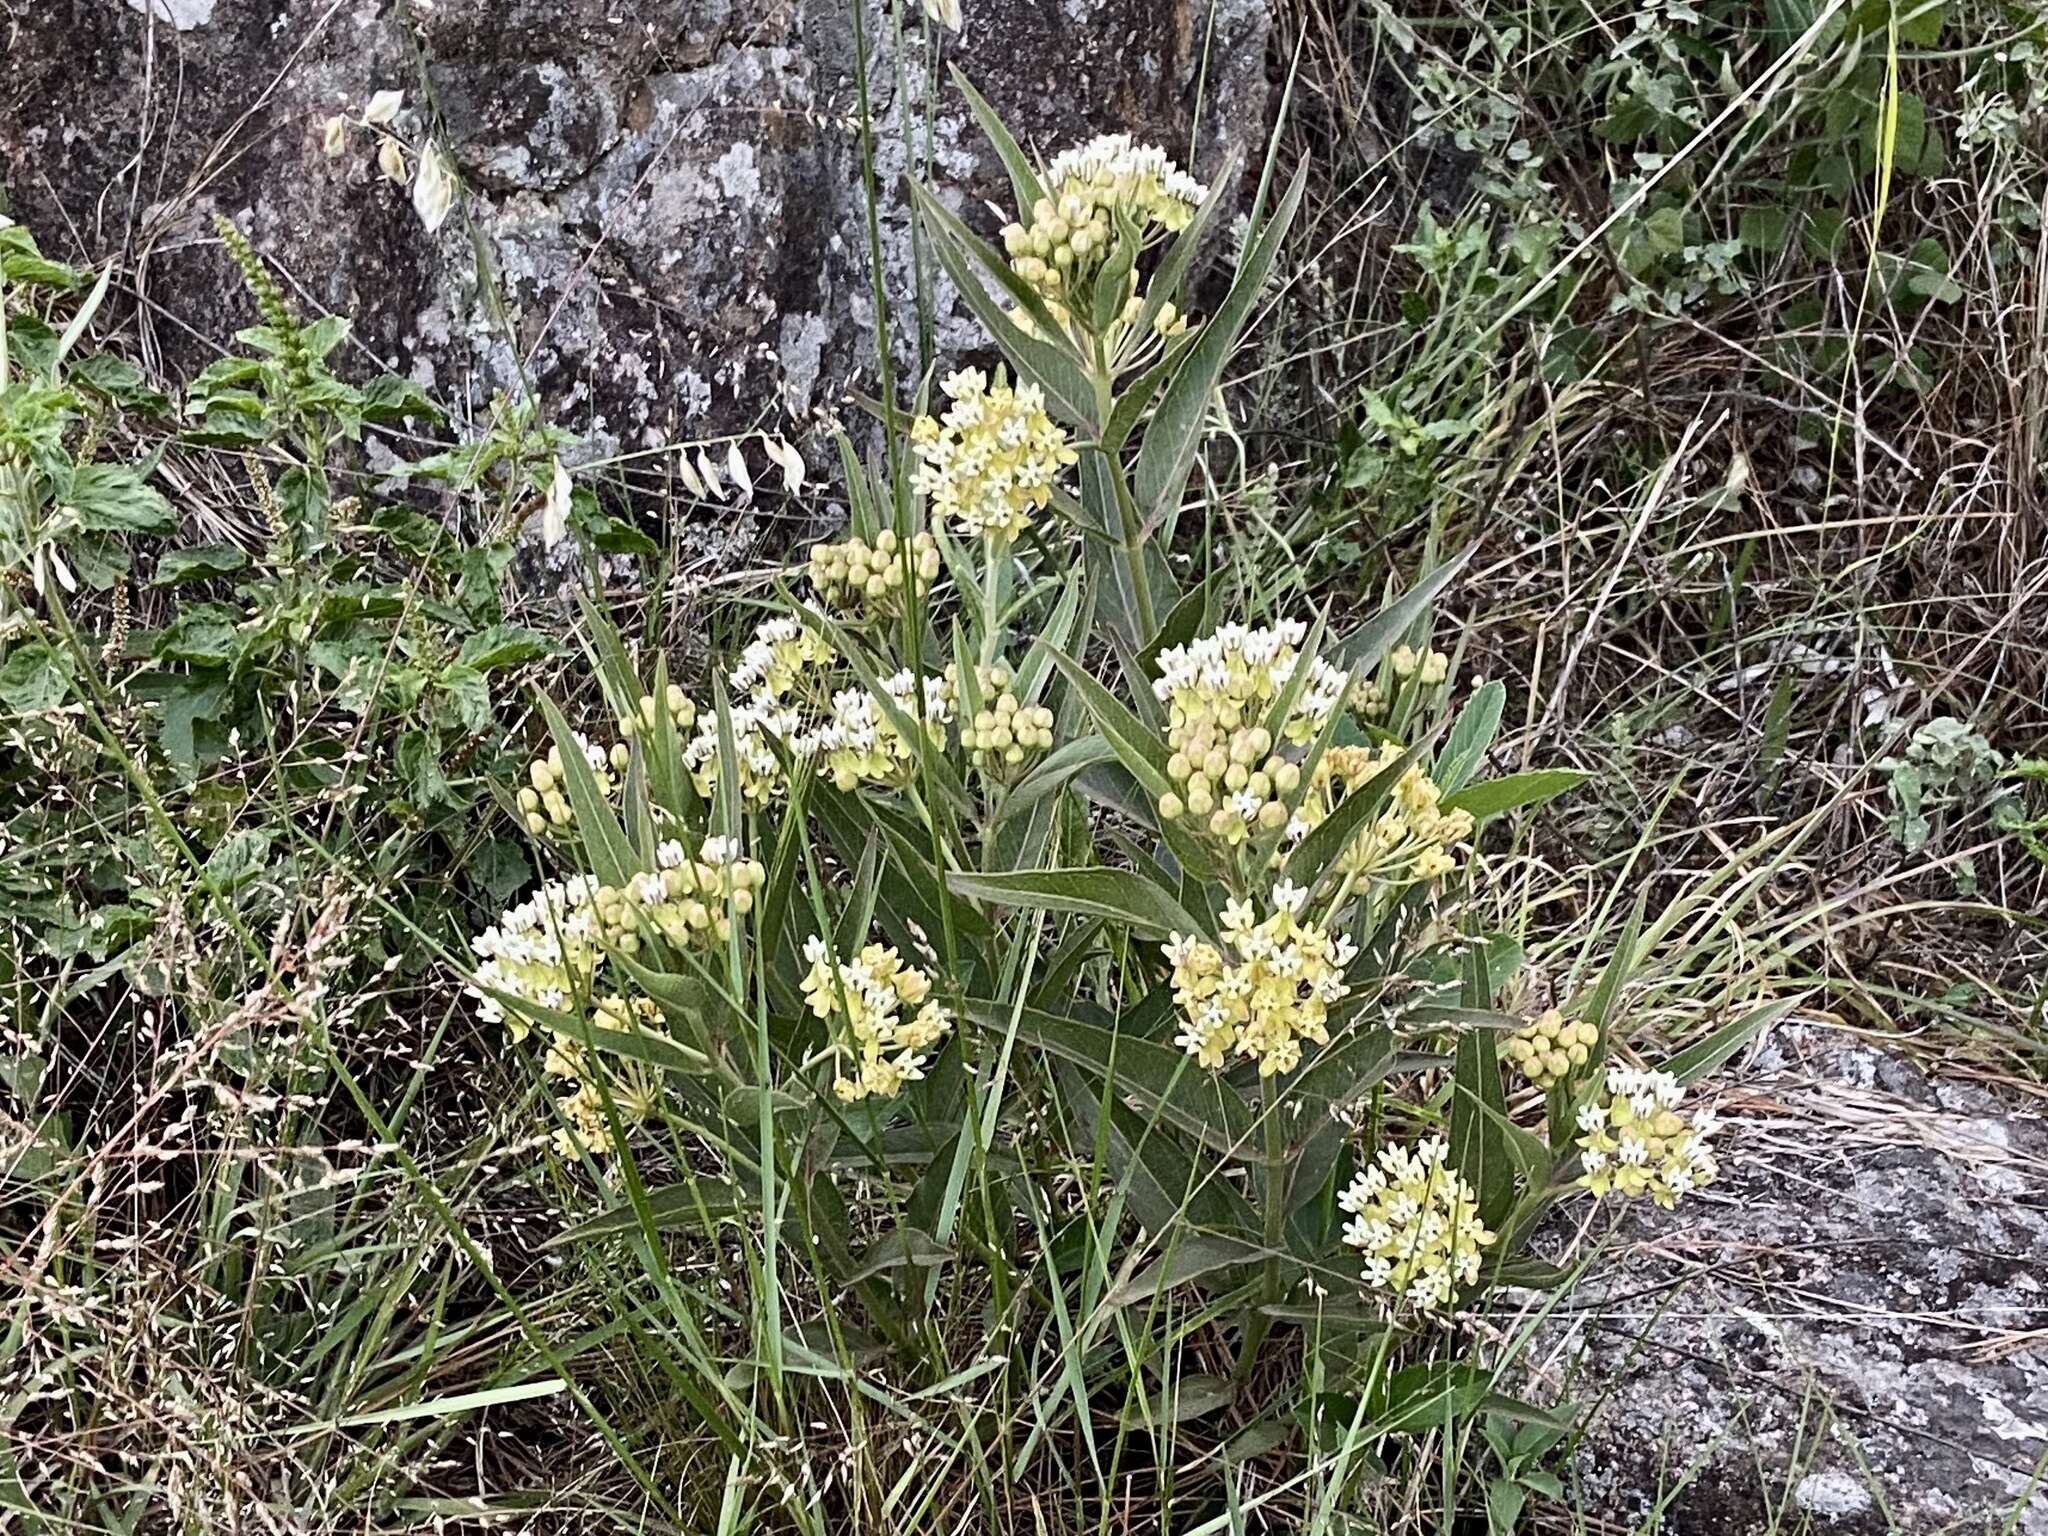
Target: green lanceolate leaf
point(1469, 737)
point(1188, 1259)
point(1363, 646)
point(1162, 1080)
point(1066, 386)
point(1516, 790)
point(1175, 433)
point(1330, 837)
point(1696, 1061)
point(604, 840)
point(1024, 180)
point(1117, 894)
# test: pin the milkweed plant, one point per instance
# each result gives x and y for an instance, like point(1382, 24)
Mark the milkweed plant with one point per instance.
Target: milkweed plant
point(1006, 825)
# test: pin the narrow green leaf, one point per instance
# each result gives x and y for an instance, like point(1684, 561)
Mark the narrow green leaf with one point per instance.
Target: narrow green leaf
point(604, 841)
point(1470, 735)
point(1696, 1061)
point(1175, 433)
point(1117, 894)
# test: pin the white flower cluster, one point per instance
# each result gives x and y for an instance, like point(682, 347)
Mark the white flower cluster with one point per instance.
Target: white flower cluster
point(1416, 1220)
point(858, 743)
point(777, 691)
point(542, 951)
point(991, 460)
point(1118, 163)
point(1635, 1142)
point(880, 1018)
point(1275, 994)
point(548, 948)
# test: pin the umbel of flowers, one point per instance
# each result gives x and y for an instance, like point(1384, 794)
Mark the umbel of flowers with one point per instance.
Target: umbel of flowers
point(1416, 1220)
point(1269, 988)
point(1413, 839)
point(990, 461)
point(1220, 691)
point(543, 958)
point(1108, 189)
point(881, 1020)
point(1633, 1140)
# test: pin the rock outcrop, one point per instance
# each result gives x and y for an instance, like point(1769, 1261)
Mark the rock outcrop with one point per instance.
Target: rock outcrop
point(1848, 1333)
point(667, 196)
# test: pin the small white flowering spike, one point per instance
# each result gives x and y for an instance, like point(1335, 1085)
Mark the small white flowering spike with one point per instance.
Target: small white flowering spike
point(554, 515)
point(736, 469)
point(334, 137)
point(686, 472)
point(433, 189)
point(383, 108)
point(945, 12)
point(391, 160)
point(786, 459)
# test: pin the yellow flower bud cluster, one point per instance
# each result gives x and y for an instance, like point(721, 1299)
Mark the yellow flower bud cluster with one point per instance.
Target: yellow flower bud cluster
point(1004, 734)
point(1429, 668)
point(682, 713)
point(1227, 767)
point(544, 801)
point(859, 743)
point(990, 462)
point(1634, 1141)
point(1416, 1220)
point(856, 576)
point(688, 901)
point(1089, 190)
point(1267, 993)
point(880, 1019)
point(1412, 839)
point(1551, 1048)
point(635, 1087)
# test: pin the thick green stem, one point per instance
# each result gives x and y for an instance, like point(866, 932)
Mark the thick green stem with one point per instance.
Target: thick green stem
point(1126, 507)
point(1273, 1192)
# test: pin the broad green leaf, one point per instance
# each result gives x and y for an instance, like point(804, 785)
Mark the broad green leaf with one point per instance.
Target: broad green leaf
point(900, 1248)
point(1193, 1396)
point(693, 1207)
point(1336, 832)
point(1363, 646)
point(1514, 791)
point(1189, 1258)
point(1175, 433)
point(197, 563)
point(1163, 1079)
point(1470, 735)
point(604, 840)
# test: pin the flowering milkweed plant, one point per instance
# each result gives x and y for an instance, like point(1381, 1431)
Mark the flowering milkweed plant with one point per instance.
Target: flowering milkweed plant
point(1001, 833)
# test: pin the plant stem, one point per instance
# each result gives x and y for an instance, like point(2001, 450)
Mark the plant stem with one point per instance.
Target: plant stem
point(1274, 1195)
